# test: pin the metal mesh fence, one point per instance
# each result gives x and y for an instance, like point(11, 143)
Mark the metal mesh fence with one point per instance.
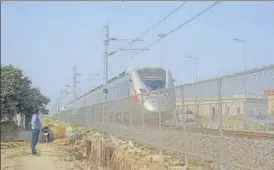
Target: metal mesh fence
point(216, 122)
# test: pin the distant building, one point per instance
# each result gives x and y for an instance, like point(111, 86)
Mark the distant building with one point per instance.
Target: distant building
point(231, 106)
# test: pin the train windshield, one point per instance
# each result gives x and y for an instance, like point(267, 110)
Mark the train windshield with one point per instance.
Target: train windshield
point(153, 78)
point(154, 84)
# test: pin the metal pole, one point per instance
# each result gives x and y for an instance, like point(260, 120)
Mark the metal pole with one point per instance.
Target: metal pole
point(57, 103)
point(196, 85)
point(142, 111)
point(160, 125)
point(184, 125)
point(244, 58)
point(196, 69)
point(159, 114)
point(222, 156)
point(105, 91)
point(106, 60)
point(74, 83)
point(106, 42)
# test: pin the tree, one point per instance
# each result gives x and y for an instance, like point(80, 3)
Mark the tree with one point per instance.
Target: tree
point(17, 95)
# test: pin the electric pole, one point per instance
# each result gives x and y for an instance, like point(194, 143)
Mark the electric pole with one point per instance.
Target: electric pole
point(106, 62)
point(57, 103)
point(107, 54)
point(74, 82)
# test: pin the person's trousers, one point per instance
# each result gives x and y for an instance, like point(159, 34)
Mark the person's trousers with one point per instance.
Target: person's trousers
point(34, 139)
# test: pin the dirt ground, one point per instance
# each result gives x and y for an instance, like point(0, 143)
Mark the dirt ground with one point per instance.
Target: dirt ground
point(16, 156)
point(82, 154)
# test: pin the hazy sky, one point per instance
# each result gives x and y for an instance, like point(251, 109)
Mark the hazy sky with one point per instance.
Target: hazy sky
point(46, 39)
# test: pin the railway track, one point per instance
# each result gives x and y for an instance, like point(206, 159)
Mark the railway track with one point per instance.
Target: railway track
point(228, 133)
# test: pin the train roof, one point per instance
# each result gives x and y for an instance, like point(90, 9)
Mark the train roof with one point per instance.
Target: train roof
point(113, 79)
point(144, 67)
point(101, 86)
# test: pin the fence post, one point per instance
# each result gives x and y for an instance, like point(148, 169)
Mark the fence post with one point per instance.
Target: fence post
point(69, 119)
point(142, 110)
point(122, 111)
point(184, 125)
point(159, 113)
point(160, 122)
point(130, 112)
point(85, 117)
point(122, 108)
point(222, 161)
point(196, 100)
point(266, 123)
point(90, 117)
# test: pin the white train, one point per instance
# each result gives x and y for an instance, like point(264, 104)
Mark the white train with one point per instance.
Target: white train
point(154, 82)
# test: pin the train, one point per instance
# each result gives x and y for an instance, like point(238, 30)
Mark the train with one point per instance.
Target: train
point(150, 88)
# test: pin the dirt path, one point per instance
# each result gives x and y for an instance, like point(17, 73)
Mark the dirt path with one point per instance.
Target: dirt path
point(51, 157)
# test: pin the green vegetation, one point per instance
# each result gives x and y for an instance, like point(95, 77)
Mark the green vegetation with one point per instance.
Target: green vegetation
point(18, 96)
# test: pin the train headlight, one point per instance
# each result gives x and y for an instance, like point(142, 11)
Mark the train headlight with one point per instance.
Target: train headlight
point(166, 94)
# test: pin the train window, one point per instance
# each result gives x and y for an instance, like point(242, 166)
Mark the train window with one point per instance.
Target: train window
point(153, 78)
point(155, 84)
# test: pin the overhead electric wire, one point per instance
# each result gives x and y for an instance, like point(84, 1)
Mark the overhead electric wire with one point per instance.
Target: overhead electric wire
point(177, 28)
point(108, 21)
point(115, 12)
point(153, 26)
point(111, 17)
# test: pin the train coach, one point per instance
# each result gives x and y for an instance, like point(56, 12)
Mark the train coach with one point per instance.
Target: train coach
point(146, 87)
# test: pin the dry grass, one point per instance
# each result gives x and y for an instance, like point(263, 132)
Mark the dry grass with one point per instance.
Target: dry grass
point(58, 129)
point(17, 144)
point(46, 122)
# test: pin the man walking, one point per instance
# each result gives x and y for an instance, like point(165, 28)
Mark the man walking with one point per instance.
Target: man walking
point(36, 127)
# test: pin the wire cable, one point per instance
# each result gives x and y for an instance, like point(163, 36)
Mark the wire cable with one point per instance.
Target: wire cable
point(177, 28)
point(153, 26)
point(115, 12)
point(108, 21)
point(112, 16)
